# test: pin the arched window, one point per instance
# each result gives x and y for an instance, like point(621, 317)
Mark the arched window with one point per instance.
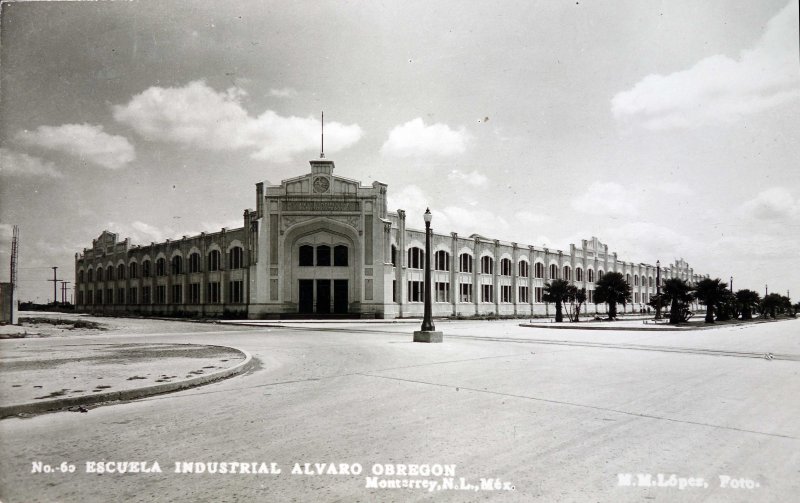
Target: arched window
point(161, 266)
point(323, 255)
point(194, 262)
point(538, 270)
point(90, 275)
point(394, 255)
point(306, 256)
point(416, 258)
point(590, 275)
point(133, 270)
point(214, 260)
point(636, 280)
point(567, 272)
point(650, 281)
point(578, 274)
point(110, 272)
point(505, 267)
point(465, 261)
point(146, 269)
point(236, 258)
point(553, 271)
point(340, 255)
point(80, 276)
point(628, 279)
point(487, 265)
point(524, 269)
point(441, 261)
point(99, 274)
point(176, 266)
point(121, 271)
point(599, 275)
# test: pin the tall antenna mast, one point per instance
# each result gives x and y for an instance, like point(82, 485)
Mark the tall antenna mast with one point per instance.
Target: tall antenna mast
point(322, 139)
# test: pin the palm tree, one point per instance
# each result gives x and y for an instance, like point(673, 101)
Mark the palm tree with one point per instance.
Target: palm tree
point(576, 297)
point(710, 292)
point(612, 289)
point(557, 291)
point(679, 295)
point(748, 301)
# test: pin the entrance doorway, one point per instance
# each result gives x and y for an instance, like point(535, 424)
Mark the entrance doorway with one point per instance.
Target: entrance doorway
point(306, 296)
point(323, 296)
point(340, 296)
point(315, 296)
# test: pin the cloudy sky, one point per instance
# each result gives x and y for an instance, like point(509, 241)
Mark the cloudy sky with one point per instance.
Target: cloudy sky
point(666, 128)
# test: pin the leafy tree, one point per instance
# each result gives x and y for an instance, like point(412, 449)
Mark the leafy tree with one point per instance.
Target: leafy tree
point(659, 302)
point(774, 304)
point(557, 292)
point(710, 292)
point(726, 306)
point(576, 297)
point(679, 295)
point(612, 289)
point(748, 301)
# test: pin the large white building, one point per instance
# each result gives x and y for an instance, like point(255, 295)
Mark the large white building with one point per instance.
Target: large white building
point(322, 245)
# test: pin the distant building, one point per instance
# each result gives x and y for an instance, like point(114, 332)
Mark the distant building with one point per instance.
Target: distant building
point(320, 245)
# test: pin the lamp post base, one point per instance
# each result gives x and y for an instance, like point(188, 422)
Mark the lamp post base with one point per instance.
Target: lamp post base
point(428, 336)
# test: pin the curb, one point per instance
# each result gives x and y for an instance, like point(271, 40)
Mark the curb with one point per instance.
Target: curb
point(130, 394)
point(624, 329)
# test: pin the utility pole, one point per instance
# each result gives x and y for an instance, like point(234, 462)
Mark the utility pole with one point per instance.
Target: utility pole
point(55, 280)
point(731, 283)
point(64, 291)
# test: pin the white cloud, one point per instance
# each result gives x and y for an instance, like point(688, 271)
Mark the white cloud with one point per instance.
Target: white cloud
point(475, 179)
point(140, 232)
point(607, 199)
point(415, 139)
point(647, 242)
point(468, 220)
point(284, 92)
point(21, 164)
point(197, 115)
point(719, 89)
point(776, 203)
point(86, 141)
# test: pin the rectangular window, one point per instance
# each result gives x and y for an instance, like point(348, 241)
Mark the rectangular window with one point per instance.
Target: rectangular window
point(212, 292)
point(236, 289)
point(465, 292)
point(590, 296)
point(486, 293)
point(146, 297)
point(442, 292)
point(132, 296)
point(537, 292)
point(161, 294)
point(177, 294)
point(120, 295)
point(523, 295)
point(109, 296)
point(194, 293)
point(415, 291)
point(394, 290)
point(505, 293)
point(80, 298)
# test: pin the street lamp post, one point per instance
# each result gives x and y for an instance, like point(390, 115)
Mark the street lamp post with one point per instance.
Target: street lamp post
point(428, 333)
point(658, 289)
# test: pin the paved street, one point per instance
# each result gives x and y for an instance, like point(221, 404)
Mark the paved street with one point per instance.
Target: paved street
point(558, 414)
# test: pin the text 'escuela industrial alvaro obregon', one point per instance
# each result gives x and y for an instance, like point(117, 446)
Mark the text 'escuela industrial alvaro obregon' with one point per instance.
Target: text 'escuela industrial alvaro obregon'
point(320, 244)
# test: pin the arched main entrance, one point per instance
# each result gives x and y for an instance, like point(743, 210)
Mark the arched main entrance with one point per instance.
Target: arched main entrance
point(320, 258)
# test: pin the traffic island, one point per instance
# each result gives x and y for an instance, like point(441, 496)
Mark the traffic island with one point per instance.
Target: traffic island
point(78, 375)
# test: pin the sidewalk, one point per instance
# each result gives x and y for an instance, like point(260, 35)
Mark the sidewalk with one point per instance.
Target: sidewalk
point(67, 373)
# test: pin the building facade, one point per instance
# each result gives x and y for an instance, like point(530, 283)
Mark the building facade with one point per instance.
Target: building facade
point(322, 245)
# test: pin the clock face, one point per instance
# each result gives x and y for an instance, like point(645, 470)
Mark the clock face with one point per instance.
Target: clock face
point(321, 184)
